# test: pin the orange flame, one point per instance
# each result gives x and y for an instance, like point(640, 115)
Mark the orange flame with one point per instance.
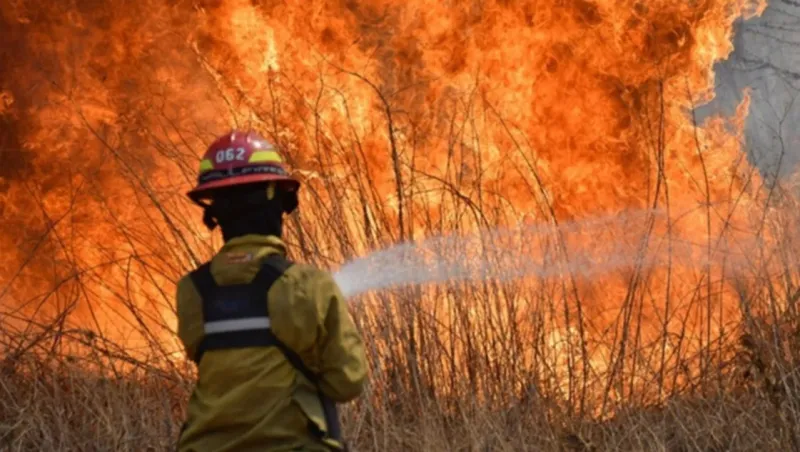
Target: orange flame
point(405, 118)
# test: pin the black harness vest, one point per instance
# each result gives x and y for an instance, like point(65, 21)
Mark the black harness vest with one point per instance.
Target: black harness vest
point(237, 316)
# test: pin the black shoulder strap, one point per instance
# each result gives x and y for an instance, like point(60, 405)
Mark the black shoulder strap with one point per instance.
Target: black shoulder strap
point(278, 262)
point(295, 360)
point(203, 280)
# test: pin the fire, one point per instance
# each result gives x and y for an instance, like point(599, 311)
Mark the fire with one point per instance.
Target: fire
point(406, 119)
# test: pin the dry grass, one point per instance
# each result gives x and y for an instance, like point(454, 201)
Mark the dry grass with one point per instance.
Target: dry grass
point(48, 405)
point(54, 403)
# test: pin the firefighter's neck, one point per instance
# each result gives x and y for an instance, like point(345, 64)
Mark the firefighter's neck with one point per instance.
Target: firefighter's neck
point(228, 237)
point(265, 228)
point(257, 240)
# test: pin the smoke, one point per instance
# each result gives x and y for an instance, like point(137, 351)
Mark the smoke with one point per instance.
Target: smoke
point(765, 62)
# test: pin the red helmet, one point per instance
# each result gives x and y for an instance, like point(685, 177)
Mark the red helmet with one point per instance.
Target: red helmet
point(239, 158)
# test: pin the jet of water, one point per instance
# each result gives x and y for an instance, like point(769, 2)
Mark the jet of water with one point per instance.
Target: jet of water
point(585, 248)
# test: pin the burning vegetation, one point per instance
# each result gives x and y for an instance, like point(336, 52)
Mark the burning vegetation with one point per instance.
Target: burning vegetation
point(405, 119)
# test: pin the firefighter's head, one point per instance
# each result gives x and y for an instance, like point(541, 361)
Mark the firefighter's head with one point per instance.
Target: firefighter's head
point(244, 187)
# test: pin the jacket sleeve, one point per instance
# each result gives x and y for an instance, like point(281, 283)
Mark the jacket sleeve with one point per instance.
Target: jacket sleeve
point(190, 316)
point(315, 323)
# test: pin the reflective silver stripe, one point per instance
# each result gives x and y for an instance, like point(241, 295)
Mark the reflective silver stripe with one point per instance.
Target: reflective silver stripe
point(226, 326)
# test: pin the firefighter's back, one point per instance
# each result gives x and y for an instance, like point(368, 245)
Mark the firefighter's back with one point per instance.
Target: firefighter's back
point(250, 398)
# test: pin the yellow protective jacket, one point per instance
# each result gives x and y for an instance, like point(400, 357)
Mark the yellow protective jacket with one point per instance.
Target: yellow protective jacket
point(253, 399)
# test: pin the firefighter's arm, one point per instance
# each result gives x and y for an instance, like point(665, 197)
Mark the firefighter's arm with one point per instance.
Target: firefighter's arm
point(343, 362)
point(190, 316)
point(310, 316)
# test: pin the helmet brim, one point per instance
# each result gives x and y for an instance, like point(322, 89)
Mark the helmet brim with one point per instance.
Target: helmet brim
point(206, 191)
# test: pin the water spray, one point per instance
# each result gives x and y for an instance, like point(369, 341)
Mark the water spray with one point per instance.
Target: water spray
point(586, 248)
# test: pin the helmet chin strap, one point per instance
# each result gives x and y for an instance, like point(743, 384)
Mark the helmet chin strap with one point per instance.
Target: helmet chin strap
point(209, 220)
point(290, 202)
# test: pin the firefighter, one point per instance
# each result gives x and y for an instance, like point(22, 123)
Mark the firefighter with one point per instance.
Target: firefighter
point(275, 347)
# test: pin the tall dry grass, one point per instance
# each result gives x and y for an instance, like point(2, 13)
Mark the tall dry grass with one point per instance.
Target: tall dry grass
point(54, 403)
